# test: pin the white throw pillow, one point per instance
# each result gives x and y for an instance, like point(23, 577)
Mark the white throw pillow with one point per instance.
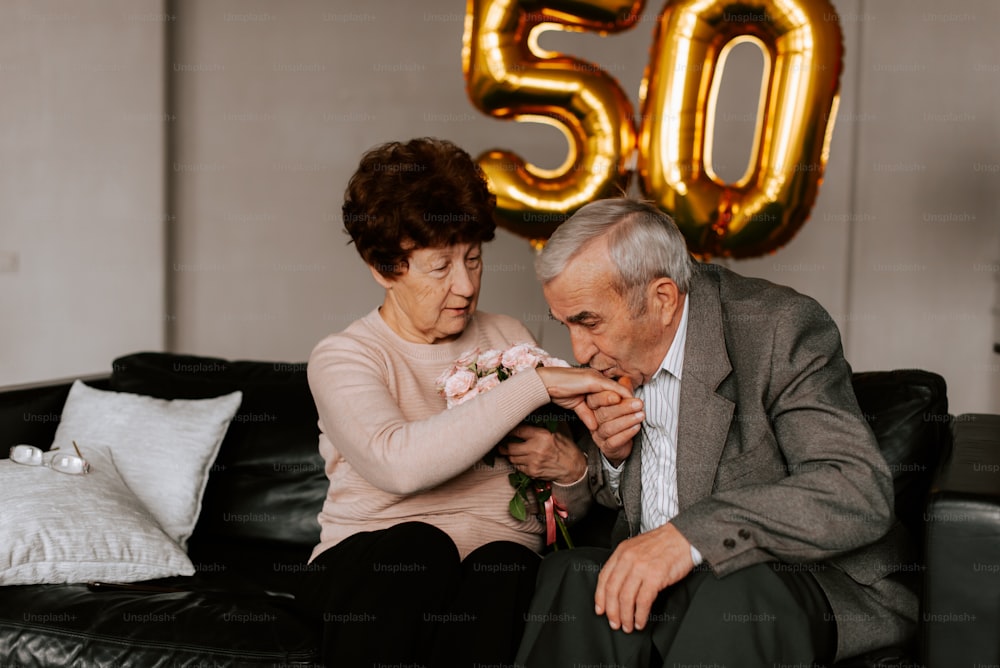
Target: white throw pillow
point(75, 528)
point(163, 449)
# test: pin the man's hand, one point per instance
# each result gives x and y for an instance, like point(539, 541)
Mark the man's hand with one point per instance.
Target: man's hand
point(568, 387)
point(619, 420)
point(637, 571)
point(545, 455)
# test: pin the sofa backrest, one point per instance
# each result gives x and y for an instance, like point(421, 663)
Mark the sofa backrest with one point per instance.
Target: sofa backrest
point(31, 414)
point(907, 410)
point(268, 481)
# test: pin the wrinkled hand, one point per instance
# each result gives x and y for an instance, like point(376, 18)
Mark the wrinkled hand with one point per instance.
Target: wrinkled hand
point(568, 387)
point(619, 420)
point(545, 455)
point(637, 571)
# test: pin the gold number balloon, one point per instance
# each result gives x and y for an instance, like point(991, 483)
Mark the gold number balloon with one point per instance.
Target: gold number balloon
point(802, 45)
point(509, 76)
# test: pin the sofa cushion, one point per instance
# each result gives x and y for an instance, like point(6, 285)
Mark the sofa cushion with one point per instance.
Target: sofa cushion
point(73, 528)
point(68, 625)
point(162, 448)
point(268, 481)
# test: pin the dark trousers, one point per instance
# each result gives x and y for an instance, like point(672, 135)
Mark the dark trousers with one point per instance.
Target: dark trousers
point(758, 616)
point(401, 596)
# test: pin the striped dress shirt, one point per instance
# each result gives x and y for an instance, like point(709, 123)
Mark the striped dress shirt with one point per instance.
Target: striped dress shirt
point(661, 398)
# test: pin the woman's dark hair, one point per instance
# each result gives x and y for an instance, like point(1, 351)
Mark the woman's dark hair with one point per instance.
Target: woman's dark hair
point(425, 193)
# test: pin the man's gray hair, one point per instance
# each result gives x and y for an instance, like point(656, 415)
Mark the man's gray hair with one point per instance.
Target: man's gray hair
point(643, 242)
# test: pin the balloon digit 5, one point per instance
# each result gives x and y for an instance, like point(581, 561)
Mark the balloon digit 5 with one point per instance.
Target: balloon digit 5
point(509, 76)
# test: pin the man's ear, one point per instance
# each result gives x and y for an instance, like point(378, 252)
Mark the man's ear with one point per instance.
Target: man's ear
point(666, 296)
point(380, 279)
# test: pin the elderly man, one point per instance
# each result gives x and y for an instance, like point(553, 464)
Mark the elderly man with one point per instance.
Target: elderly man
point(755, 522)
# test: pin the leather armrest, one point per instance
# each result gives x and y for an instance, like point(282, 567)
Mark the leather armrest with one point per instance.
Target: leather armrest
point(960, 614)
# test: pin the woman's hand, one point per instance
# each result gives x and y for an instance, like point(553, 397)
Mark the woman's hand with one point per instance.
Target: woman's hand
point(568, 387)
point(545, 455)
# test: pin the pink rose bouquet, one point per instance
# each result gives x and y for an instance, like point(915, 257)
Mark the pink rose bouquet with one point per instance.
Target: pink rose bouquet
point(476, 372)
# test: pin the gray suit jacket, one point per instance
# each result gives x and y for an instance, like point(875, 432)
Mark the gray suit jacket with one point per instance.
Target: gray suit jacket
point(775, 461)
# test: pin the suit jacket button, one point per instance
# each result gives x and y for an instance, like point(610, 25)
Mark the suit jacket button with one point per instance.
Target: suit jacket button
point(729, 543)
point(744, 534)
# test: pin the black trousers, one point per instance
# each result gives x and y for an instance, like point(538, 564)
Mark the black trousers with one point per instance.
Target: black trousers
point(401, 596)
point(758, 616)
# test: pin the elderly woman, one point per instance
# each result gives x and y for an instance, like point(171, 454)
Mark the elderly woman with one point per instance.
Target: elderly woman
point(419, 560)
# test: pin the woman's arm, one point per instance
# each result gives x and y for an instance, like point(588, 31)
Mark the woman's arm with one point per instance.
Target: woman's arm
point(364, 423)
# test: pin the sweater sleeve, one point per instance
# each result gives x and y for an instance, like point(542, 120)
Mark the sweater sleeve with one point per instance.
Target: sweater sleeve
point(360, 417)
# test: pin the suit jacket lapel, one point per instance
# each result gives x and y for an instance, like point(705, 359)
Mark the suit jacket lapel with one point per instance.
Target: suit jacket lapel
point(631, 487)
point(704, 415)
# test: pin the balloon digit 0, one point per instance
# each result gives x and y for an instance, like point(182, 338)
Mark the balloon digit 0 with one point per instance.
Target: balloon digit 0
point(803, 53)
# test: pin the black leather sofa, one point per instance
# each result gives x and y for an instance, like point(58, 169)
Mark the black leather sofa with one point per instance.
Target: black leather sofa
point(236, 610)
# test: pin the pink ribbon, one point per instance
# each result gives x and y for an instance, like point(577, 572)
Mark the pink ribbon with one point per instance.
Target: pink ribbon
point(552, 507)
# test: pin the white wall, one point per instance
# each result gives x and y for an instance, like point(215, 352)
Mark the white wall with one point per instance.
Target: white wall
point(81, 185)
point(287, 98)
point(275, 101)
point(925, 257)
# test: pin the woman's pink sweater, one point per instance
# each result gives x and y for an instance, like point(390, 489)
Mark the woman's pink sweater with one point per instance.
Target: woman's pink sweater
point(395, 454)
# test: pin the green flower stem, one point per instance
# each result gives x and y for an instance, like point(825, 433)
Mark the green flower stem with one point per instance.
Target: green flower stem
point(565, 533)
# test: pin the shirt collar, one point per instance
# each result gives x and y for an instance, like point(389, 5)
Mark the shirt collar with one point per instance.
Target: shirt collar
point(673, 362)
